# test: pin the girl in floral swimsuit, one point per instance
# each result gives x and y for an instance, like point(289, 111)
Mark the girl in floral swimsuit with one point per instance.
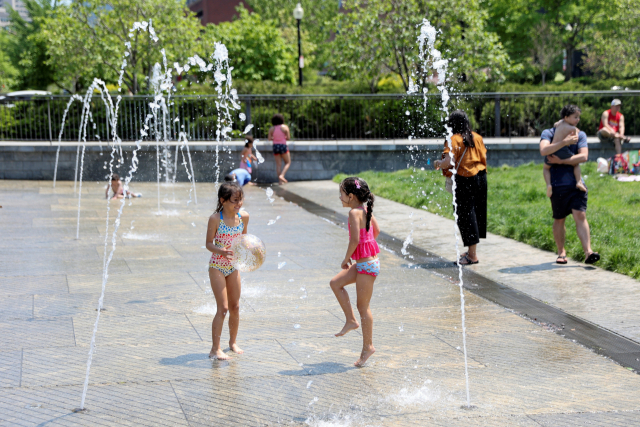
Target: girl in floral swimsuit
point(225, 225)
point(363, 248)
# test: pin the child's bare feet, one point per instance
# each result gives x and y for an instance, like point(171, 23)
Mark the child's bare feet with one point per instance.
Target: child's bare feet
point(235, 348)
point(549, 191)
point(218, 354)
point(366, 354)
point(348, 326)
point(580, 186)
point(282, 179)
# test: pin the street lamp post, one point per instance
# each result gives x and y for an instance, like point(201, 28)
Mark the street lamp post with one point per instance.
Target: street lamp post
point(298, 13)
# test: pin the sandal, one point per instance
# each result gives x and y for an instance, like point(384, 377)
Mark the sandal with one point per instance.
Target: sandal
point(592, 258)
point(562, 259)
point(467, 259)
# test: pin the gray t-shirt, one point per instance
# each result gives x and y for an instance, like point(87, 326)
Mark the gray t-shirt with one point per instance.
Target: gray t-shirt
point(562, 175)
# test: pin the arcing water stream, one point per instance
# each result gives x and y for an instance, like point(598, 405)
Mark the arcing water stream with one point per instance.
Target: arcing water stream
point(431, 59)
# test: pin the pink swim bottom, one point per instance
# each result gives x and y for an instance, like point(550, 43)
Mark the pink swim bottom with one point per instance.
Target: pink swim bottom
point(372, 267)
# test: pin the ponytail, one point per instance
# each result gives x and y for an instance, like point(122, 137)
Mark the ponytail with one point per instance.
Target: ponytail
point(359, 188)
point(370, 209)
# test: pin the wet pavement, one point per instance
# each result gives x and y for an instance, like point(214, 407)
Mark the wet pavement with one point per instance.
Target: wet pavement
point(151, 365)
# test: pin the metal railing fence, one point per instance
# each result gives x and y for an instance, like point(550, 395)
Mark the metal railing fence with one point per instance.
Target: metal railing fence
point(320, 117)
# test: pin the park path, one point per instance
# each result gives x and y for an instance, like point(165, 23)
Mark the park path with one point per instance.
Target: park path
point(151, 366)
point(607, 299)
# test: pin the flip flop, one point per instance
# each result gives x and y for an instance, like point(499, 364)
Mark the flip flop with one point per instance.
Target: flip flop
point(467, 259)
point(592, 258)
point(561, 259)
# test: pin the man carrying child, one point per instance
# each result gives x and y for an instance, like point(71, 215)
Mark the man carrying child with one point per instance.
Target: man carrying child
point(566, 196)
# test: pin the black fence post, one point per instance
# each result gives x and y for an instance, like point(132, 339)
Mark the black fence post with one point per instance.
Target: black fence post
point(497, 114)
point(49, 116)
point(247, 111)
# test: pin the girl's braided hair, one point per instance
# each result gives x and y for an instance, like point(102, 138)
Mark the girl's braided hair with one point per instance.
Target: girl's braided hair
point(359, 188)
point(226, 192)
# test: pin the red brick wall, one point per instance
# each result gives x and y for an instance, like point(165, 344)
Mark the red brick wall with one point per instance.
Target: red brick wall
point(216, 11)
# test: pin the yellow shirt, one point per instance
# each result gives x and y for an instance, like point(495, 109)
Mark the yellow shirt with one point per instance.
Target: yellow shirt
point(474, 160)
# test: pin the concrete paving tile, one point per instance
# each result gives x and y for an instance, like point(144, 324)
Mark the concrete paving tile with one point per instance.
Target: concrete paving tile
point(149, 404)
point(10, 368)
point(36, 333)
point(16, 307)
point(169, 282)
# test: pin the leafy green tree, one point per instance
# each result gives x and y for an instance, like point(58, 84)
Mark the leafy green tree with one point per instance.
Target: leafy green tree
point(376, 37)
point(256, 48)
point(8, 73)
point(317, 27)
point(26, 51)
point(87, 39)
point(616, 54)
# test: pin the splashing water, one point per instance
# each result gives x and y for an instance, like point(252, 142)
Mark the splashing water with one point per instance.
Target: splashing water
point(431, 59)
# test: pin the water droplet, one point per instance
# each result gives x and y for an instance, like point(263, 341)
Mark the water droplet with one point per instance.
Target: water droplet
point(193, 223)
point(282, 264)
point(309, 383)
point(296, 326)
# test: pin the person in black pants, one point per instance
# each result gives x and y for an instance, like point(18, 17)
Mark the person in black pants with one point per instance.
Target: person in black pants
point(469, 159)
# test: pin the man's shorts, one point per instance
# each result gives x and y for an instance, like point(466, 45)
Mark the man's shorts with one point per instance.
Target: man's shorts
point(605, 139)
point(567, 199)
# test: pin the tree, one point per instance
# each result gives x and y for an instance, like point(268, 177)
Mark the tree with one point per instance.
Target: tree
point(617, 54)
point(26, 51)
point(257, 50)
point(8, 73)
point(545, 49)
point(317, 27)
point(87, 39)
point(376, 37)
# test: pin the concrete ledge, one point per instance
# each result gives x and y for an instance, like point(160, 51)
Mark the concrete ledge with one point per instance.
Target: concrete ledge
point(311, 160)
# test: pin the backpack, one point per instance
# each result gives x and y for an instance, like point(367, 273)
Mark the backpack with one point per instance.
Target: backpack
point(619, 164)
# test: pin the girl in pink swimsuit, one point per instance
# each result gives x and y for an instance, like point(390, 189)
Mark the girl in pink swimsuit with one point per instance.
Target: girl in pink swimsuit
point(279, 134)
point(364, 250)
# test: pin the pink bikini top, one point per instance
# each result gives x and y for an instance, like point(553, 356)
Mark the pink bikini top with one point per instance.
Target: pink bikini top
point(367, 246)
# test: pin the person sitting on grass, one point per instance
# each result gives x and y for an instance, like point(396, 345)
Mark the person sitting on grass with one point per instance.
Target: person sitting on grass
point(118, 189)
point(567, 125)
point(566, 198)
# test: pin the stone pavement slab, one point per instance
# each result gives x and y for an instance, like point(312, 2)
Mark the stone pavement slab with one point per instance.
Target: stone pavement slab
point(151, 364)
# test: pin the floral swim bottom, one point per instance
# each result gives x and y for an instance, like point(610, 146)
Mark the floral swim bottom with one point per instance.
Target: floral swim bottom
point(372, 267)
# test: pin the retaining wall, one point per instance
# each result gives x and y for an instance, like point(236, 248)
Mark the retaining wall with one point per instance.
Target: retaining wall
point(310, 160)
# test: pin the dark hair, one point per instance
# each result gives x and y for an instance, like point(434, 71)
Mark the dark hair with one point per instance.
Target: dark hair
point(569, 110)
point(248, 140)
point(359, 188)
point(459, 124)
point(226, 191)
point(230, 177)
point(115, 177)
point(277, 119)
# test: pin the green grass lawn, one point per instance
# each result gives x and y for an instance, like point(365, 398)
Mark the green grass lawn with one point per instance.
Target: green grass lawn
point(519, 209)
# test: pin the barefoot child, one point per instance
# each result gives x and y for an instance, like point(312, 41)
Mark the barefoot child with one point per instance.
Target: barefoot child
point(225, 225)
point(279, 133)
point(118, 189)
point(563, 128)
point(247, 156)
point(363, 231)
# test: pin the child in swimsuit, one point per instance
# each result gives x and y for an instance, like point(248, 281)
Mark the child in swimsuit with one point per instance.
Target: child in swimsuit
point(118, 189)
point(279, 133)
point(364, 250)
point(225, 225)
point(247, 157)
point(564, 128)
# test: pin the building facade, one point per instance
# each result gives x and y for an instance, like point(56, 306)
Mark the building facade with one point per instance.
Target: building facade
point(17, 5)
point(214, 11)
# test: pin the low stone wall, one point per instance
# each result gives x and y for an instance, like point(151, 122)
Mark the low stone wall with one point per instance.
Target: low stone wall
point(310, 160)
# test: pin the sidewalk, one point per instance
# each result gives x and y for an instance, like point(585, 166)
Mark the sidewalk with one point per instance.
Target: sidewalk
point(607, 299)
point(151, 367)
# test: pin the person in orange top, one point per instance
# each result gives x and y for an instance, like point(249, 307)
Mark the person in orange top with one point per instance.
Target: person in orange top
point(611, 129)
point(470, 156)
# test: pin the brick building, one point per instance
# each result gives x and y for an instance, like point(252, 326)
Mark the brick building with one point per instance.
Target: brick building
point(214, 11)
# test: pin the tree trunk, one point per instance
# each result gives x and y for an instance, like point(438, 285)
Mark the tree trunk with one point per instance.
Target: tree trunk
point(544, 75)
point(567, 73)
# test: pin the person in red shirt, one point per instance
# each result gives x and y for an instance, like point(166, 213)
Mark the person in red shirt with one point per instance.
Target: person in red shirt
point(611, 129)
